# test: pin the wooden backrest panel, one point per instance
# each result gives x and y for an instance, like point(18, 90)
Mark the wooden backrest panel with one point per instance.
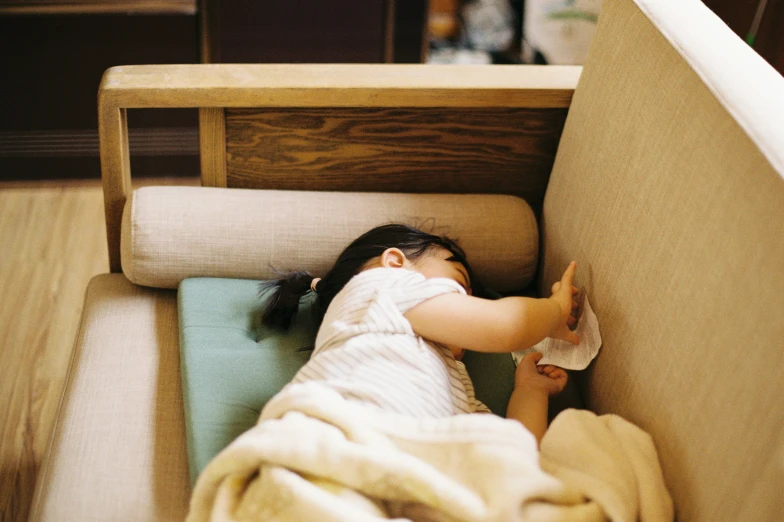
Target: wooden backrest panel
point(447, 150)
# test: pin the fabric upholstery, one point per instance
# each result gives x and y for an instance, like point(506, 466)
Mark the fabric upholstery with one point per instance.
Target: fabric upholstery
point(675, 216)
point(170, 233)
point(232, 364)
point(118, 451)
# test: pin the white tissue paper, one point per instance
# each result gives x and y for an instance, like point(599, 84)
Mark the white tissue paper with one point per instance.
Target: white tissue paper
point(567, 355)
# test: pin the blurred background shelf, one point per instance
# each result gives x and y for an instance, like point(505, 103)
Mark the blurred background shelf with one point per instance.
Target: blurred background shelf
point(53, 53)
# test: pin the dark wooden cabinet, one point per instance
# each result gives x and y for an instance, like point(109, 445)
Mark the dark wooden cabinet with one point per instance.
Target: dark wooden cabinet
point(248, 31)
point(53, 60)
point(53, 53)
point(310, 31)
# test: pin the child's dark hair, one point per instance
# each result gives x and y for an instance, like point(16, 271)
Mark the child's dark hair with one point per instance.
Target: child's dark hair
point(287, 291)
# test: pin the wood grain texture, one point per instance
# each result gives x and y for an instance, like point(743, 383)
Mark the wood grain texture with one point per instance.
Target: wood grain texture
point(338, 85)
point(115, 173)
point(49, 7)
point(498, 148)
point(51, 243)
point(502, 151)
point(212, 145)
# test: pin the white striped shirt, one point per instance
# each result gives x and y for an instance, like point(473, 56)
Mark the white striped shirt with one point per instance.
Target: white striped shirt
point(367, 351)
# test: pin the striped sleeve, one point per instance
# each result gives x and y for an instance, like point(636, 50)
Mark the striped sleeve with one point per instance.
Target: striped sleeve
point(417, 289)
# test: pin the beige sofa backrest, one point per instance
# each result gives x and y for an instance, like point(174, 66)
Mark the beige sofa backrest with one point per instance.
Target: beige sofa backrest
point(667, 189)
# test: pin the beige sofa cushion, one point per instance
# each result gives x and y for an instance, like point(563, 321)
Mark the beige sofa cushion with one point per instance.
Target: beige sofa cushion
point(674, 212)
point(118, 451)
point(170, 233)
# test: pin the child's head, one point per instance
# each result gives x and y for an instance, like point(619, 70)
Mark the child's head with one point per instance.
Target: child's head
point(392, 245)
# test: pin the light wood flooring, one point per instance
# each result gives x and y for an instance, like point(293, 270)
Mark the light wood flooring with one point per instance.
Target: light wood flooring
point(52, 241)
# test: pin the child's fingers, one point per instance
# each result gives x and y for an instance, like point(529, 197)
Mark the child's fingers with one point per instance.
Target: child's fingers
point(557, 286)
point(568, 275)
point(531, 357)
point(566, 280)
point(560, 376)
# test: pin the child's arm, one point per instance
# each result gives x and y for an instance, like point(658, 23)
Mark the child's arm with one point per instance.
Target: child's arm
point(533, 387)
point(504, 325)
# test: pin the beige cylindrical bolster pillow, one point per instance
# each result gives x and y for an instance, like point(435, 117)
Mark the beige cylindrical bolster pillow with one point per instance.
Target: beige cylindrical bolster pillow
point(172, 233)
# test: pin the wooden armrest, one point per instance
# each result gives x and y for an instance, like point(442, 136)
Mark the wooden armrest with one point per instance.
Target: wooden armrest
point(49, 7)
point(334, 85)
point(213, 87)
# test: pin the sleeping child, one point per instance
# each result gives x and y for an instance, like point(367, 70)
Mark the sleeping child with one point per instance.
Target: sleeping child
point(399, 306)
point(379, 423)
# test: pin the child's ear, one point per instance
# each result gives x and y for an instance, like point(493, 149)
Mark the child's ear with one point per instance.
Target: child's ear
point(393, 258)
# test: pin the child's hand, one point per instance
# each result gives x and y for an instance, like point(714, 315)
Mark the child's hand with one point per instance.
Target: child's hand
point(548, 378)
point(563, 294)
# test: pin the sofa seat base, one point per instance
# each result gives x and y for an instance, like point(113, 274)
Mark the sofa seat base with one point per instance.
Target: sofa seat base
point(127, 347)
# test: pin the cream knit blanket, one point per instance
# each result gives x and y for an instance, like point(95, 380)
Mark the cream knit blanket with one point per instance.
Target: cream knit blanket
point(315, 457)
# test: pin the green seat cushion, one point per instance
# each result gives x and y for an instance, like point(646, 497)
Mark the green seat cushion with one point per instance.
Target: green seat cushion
point(231, 365)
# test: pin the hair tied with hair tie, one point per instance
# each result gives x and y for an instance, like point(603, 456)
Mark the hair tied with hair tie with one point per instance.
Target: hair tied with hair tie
point(314, 283)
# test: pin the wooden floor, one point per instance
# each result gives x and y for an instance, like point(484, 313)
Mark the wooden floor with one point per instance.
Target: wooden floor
point(52, 241)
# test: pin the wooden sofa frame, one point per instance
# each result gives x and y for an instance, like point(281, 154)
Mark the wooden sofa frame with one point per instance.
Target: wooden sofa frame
point(406, 128)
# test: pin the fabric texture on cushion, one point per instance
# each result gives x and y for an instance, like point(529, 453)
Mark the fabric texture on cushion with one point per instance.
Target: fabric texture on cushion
point(117, 452)
point(232, 365)
point(676, 218)
point(171, 233)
